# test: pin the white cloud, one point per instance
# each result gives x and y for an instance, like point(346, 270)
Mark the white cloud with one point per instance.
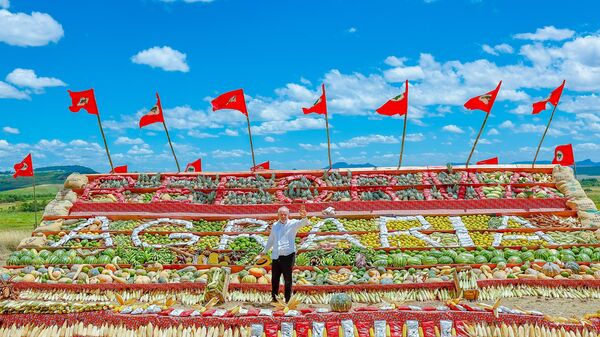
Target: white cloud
point(362, 141)
point(280, 127)
point(269, 139)
point(229, 154)
point(188, 1)
point(498, 49)
point(129, 141)
point(232, 133)
point(507, 125)
point(453, 129)
point(394, 61)
point(587, 147)
point(164, 57)
point(12, 131)
point(312, 147)
point(271, 149)
point(8, 91)
point(352, 30)
point(27, 78)
point(493, 132)
point(415, 137)
point(143, 149)
point(550, 33)
point(23, 30)
point(199, 134)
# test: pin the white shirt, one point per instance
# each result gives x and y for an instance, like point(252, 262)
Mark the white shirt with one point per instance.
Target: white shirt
point(283, 236)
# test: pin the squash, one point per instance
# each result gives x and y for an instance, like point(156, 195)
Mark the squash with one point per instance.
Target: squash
point(573, 266)
point(550, 269)
point(262, 280)
point(249, 279)
point(257, 272)
point(340, 302)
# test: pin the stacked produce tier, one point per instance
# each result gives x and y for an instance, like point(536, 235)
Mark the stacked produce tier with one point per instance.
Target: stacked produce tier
point(175, 255)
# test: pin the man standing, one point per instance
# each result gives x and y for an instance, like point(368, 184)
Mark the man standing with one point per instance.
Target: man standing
point(282, 241)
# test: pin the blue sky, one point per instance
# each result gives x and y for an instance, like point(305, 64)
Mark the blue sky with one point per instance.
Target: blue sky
point(280, 52)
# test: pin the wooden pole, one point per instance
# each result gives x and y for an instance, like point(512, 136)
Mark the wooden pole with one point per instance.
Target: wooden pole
point(328, 141)
point(171, 145)
point(402, 146)
point(105, 144)
point(477, 139)
point(250, 135)
point(35, 223)
point(543, 136)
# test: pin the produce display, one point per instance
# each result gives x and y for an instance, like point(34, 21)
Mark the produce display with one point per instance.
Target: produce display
point(158, 267)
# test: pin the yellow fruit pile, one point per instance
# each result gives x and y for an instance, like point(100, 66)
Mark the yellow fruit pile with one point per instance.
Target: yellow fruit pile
point(439, 222)
point(405, 241)
point(401, 225)
point(370, 240)
point(482, 239)
point(479, 221)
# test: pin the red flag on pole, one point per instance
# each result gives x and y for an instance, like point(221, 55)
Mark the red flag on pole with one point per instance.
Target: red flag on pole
point(483, 102)
point(262, 166)
point(120, 169)
point(397, 105)
point(320, 106)
point(195, 166)
point(154, 116)
point(24, 168)
point(490, 161)
point(83, 100)
point(231, 100)
point(563, 155)
point(553, 99)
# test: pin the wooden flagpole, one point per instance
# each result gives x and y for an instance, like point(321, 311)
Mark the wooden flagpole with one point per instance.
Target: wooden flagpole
point(171, 145)
point(250, 135)
point(543, 136)
point(402, 146)
point(477, 139)
point(105, 144)
point(328, 140)
point(34, 204)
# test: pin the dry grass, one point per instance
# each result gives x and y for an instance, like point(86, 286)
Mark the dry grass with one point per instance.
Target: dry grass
point(9, 240)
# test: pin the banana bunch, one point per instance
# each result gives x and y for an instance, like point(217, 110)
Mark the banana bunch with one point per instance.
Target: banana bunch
point(525, 330)
point(507, 291)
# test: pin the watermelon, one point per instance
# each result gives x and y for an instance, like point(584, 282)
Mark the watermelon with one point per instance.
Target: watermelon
point(487, 254)
point(465, 258)
point(44, 254)
point(480, 259)
point(445, 260)
point(413, 261)
point(527, 256)
point(25, 260)
point(498, 259)
point(77, 260)
point(499, 253)
point(64, 260)
point(542, 254)
point(567, 258)
point(587, 251)
point(109, 252)
point(435, 253)
point(53, 259)
point(13, 261)
point(59, 252)
point(596, 257)
point(450, 253)
point(583, 258)
point(104, 259)
point(511, 252)
point(429, 260)
point(37, 261)
point(90, 259)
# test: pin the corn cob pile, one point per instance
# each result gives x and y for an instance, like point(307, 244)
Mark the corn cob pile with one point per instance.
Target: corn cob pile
point(525, 330)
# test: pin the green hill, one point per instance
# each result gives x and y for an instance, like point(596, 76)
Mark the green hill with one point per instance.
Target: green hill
point(51, 175)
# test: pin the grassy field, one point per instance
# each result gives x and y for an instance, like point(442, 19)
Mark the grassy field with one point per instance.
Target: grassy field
point(594, 194)
point(12, 217)
point(40, 190)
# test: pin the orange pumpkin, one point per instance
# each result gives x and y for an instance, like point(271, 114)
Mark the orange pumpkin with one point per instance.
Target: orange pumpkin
point(257, 272)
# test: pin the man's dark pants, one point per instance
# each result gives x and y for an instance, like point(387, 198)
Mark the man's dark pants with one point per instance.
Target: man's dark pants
point(282, 266)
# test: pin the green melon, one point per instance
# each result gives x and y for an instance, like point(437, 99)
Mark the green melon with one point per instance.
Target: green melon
point(429, 260)
point(340, 302)
point(445, 260)
point(90, 260)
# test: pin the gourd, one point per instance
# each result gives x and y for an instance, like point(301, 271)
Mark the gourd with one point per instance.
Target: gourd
point(249, 279)
point(550, 269)
point(573, 266)
point(256, 272)
point(340, 302)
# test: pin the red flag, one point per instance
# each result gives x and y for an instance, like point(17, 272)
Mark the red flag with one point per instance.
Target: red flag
point(83, 100)
point(491, 161)
point(563, 155)
point(24, 168)
point(320, 106)
point(397, 105)
point(231, 100)
point(195, 166)
point(154, 116)
point(483, 102)
point(120, 169)
point(262, 166)
point(553, 99)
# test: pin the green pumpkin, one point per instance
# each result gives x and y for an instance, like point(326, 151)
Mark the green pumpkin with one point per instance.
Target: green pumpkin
point(340, 302)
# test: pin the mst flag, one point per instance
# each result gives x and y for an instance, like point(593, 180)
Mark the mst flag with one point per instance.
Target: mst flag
point(491, 161)
point(397, 105)
point(83, 100)
point(262, 166)
point(320, 105)
point(120, 169)
point(195, 166)
point(231, 100)
point(483, 102)
point(563, 155)
point(553, 99)
point(154, 116)
point(24, 168)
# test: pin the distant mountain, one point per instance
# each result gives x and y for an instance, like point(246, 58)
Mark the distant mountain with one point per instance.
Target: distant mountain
point(43, 175)
point(342, 165)
point(583, 163)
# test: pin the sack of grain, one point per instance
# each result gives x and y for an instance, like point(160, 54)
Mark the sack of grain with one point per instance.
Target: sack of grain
point(58, 208)
point(573, 190)
point(562, 173)
point(35, 242)
point(582, 204)
point(49, 226)
point(76, 180)
point(66, 194)
point(589, 219)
